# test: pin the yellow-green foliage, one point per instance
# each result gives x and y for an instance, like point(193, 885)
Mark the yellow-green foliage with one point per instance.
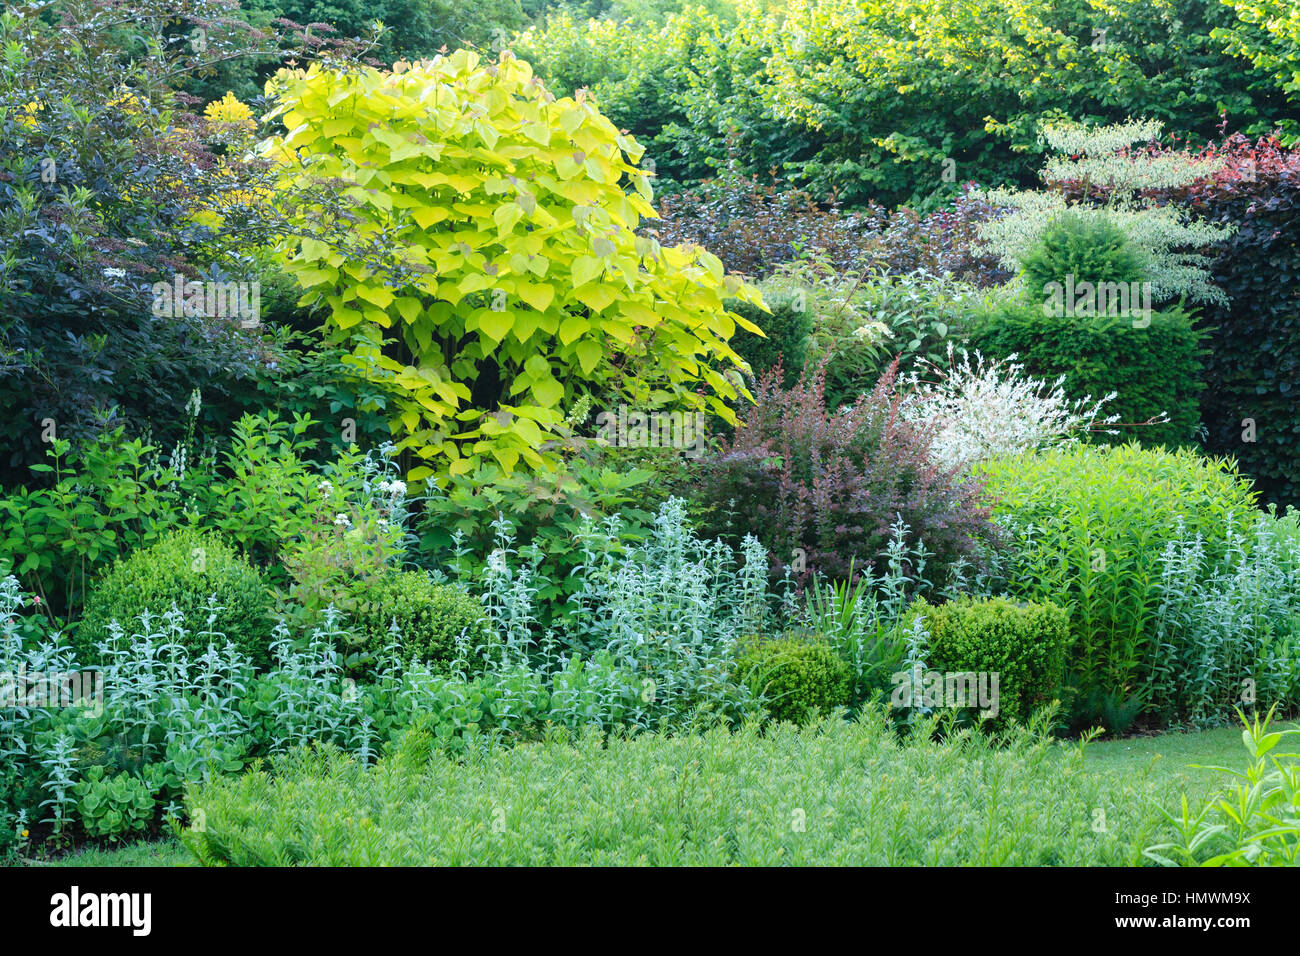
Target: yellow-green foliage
point(429, 618)
point(1087, 528)
point(797, 678)
point(523, 285)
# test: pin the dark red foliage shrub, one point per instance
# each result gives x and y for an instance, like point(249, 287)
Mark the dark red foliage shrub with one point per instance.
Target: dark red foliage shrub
point(940, 243)
point(753, 228)
point(1252, 371)
point(824, 490)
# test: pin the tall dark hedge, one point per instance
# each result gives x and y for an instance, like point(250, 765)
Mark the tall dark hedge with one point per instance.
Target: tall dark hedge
point(787, 329)
point(1253, 365)
point(1153, 369)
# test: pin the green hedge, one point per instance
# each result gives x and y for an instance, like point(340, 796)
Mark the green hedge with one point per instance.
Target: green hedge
point(797, 678)
point(1087, 246)
point(429, 618)
point(1154, 369)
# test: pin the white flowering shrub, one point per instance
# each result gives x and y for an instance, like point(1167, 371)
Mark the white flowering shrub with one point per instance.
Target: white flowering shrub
point(979, 409)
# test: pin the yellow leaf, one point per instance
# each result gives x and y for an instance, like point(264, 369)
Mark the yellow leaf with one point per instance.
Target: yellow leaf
point(573, 327)
point(595, 297)
point(346, 318)
point(539, 295)
point(589, 354)
point(495, 324)
point(428, 216)
point(375, 295)
point(586, 268)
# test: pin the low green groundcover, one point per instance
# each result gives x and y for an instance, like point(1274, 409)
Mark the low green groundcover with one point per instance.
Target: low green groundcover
point(835, 793)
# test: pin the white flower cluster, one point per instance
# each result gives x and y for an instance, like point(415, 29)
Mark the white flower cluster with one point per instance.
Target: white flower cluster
point(872, 332)
point(983, 409)
point(394, 488)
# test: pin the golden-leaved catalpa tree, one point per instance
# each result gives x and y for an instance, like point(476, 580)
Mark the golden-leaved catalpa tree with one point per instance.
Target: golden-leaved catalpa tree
point(514, 287)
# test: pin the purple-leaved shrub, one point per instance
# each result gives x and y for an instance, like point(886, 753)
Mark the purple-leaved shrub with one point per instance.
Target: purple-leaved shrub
point(826, 491)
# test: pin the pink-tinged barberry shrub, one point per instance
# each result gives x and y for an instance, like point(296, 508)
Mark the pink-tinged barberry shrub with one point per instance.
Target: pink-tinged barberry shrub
point(826, 491)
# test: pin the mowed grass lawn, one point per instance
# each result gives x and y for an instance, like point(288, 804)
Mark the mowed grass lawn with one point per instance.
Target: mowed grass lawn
point(1163, 763)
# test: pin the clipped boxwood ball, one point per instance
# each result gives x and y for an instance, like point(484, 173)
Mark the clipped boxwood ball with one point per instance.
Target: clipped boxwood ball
point(430, 617)
point(797, 677)
point(184, 567)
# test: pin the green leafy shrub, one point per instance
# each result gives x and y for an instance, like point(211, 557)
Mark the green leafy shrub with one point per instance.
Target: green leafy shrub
point(1025, 645)
point(457, 715)
point(862, 321)
point(796, 677)
point(186, 567)
point(302, 378)
point(911, 319)
point(266, 494)
point(1086, 245)
point(1268, 33)
point(903, 101)
point(113, 805)
point(457, 528)
point(105, 496)
point(1154, 370)
point(429, 618)
point(1087, 526)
